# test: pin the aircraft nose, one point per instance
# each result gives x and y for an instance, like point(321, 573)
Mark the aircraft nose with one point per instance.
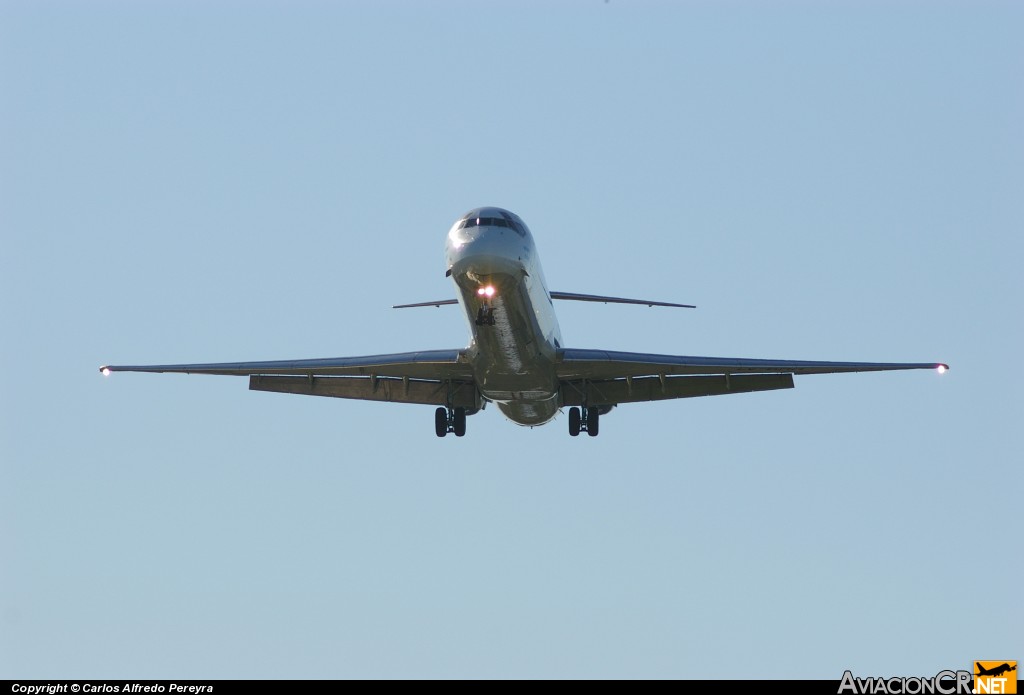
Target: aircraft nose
point(484, 249)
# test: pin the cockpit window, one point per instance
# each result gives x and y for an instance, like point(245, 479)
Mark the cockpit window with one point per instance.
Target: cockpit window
point(485, 222)
point(506, 222)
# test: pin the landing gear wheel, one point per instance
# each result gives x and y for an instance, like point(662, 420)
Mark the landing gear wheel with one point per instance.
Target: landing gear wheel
point(485, 316)
point(441, 422)
point(574, 422)
point(459, 422)
point(593, 417)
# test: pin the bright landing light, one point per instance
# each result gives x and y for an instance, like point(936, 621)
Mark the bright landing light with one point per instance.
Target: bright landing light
point(486, 291)
point(105, 371)
point(941, 369)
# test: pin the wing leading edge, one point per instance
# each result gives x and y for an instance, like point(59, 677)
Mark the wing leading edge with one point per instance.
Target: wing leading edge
point(606, 364)
point(425, 364)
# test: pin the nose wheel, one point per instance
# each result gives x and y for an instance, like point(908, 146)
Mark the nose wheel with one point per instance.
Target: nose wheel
point(485, 316)
point(584, 420)
point(450, 420)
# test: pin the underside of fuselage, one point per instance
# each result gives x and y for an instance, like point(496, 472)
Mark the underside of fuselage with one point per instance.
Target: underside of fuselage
point(501, 288)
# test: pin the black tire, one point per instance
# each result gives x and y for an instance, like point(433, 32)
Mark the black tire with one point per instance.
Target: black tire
point(593, 419)
point(459, 422)
point(441, 422)
point(574, 422)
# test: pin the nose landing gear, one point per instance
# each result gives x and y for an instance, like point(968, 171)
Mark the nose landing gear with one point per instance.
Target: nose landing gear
point(584, 420)
point(450, 420)
point(485, 316)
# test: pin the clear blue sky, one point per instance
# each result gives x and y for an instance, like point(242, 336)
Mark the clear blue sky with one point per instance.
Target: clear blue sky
point(206, 181)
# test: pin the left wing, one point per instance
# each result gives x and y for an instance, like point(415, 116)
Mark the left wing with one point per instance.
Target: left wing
point(602, 377)
point(425, 364)
point(440, 377)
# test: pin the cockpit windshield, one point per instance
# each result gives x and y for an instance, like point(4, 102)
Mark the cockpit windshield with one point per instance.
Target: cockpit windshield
point(506, 220)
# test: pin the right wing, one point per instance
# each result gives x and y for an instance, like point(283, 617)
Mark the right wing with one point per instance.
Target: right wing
point(577, 363)
point(438, 377)
point(602, 377)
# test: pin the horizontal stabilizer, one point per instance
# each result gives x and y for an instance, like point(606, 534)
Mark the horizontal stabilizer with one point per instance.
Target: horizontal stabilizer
point(614, 300)
point(564, 295)
point(419, 304)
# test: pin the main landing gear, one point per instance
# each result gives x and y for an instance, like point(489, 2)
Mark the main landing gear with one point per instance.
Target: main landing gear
point(585, 421)
point(450, 420)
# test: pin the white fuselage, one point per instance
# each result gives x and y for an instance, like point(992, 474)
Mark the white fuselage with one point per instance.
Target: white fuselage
point(501, 288)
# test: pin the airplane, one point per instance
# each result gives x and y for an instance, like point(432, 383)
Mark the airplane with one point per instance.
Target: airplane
point(516, 357)
point(996, 671)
